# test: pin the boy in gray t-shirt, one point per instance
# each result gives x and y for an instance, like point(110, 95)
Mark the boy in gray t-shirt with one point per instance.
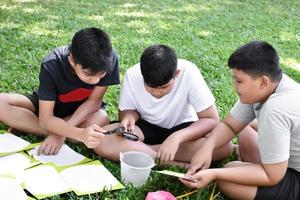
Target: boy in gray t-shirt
point(267, 116)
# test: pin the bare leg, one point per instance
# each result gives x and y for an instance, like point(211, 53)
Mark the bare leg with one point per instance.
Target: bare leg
point(100, 118)
point(17, 112)
point(236, 191)
point(112, 145)
point(248, 147)
point(187, 150)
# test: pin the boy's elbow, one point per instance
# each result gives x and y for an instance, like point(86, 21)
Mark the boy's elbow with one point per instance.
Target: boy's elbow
point(214, 121)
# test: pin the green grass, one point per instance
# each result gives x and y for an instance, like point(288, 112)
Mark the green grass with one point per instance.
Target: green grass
point(204, 32)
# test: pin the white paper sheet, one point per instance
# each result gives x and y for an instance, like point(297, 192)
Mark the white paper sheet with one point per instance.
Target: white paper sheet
point(15, 164)
point(176, 174)
point(90, 178)
point(10, 189)
point(17, 159)
point(10, 143)
point(66, 156)
point(44, 181)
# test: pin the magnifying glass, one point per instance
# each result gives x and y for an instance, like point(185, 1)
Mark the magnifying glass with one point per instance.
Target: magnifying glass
point(125, 134)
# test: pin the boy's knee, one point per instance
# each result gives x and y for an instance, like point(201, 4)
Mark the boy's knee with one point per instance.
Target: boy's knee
point(100, 118)
point(107, 153)
point(245, 139)
point(227, 149)
point(4, 99)
point(4, 103)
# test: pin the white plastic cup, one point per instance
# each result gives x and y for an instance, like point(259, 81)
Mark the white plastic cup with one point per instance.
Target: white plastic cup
point(135, 167)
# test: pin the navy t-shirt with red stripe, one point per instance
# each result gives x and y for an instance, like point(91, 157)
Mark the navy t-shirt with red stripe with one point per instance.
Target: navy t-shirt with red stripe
point(59, 83)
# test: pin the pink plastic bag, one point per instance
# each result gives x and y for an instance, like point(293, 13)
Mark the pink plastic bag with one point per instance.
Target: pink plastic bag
point(160, 195)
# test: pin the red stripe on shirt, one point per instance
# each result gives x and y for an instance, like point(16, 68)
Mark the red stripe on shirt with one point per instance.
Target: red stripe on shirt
point(75, 95)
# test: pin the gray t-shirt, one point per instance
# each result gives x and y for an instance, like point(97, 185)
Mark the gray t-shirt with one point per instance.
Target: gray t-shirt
point(278, 122)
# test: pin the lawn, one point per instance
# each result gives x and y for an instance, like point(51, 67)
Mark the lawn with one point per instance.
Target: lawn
point(204, 32)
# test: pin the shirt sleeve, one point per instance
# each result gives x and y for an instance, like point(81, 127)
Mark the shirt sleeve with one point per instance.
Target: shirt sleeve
point(243, 113)
point(47, 87)
point(273, 137)
point(112, 78)
point(126, 101)
point(199, 94)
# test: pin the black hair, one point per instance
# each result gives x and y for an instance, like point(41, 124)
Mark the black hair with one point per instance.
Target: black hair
point(92, 49)
point(257, 58)
point(158, 65)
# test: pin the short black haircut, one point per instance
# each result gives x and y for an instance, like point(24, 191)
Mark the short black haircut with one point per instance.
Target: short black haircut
point(92, 49)
point(257, 58)
point(158, 65)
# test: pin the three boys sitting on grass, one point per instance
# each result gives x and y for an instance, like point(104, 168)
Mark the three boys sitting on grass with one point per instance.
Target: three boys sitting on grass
point(167, 104)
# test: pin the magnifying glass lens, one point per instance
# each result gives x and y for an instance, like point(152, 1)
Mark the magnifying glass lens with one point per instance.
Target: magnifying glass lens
point(130, 136)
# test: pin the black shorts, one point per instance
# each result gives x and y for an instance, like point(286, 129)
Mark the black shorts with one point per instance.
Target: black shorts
point(288, 188)
point(57, 112)
point(35, 101)
point(155, 134)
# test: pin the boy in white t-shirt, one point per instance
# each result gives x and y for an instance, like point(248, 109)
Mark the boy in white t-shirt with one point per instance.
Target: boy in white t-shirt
point(166, 102)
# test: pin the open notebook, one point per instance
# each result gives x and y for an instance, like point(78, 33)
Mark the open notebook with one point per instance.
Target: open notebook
point(45, 176)
point(92, 177)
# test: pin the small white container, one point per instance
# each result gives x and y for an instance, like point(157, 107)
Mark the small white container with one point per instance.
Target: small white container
point(135, 167)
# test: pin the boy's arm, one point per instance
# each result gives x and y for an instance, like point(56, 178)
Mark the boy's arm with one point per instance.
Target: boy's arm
point(128, 119)
point(207, 120)
point(220, 135)
point(90, 136)
point(254, 174)
point(91, 105)
point(243, 174)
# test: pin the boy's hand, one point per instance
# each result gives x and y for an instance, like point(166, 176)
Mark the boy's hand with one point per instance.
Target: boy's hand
point(51, 145)
point(168, 148)
point(203, 177)
point(201, 160)
point(128, 124)
point(93, 135)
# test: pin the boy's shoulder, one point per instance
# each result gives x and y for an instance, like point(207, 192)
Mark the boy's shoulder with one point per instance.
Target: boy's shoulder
point(188, 68)
point(186, 64)
point(134, 71)
point(57, 54)
point(285, 97)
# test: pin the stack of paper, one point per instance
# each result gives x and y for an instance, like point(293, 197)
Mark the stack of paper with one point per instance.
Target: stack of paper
point(45, 176)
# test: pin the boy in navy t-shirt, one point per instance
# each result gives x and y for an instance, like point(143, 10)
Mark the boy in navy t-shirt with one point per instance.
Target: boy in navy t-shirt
point(68, 103)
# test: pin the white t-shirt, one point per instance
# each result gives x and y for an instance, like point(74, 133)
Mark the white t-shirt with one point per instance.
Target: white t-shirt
point(278, 122)
point(189, 95)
